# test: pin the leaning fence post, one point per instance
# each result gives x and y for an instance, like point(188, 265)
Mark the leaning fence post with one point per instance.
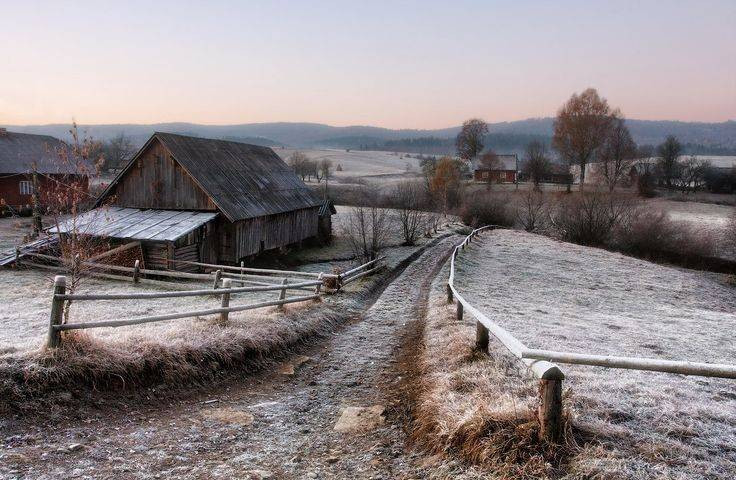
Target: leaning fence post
point(136, 271)
point(225, 303)
point(282, 294)
point(550, 408)
point(216, 284)
point(57, 310)
point(338, 282)
point(481, 337)
point(449, 293)
point(459, 311)
point(318, 288)
point(17, 257)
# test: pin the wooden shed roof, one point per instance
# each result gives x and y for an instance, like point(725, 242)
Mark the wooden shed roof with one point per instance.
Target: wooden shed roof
point(18, 152)
point(136, 223)
point(244, 181)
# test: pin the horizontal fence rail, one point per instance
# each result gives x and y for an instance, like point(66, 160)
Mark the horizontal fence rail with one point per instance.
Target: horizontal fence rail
point(539, 361)
point(222, 287)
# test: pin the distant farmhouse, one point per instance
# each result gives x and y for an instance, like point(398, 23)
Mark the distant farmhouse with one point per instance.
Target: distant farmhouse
point(204, 200)
point(495, 168)
point(20, 155)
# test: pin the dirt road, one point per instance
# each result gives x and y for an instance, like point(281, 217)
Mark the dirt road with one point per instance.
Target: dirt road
point(277, 424)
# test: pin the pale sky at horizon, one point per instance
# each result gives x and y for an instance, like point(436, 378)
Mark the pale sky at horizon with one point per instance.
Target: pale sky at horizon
point(392, 64)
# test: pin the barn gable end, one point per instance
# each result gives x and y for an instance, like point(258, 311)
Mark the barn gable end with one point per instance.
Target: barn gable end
point(154, 179)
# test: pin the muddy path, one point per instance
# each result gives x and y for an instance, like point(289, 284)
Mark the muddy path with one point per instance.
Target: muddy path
point(280, 423)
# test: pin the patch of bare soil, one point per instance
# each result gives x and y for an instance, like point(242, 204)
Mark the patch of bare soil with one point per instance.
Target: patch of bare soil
point(278, 424)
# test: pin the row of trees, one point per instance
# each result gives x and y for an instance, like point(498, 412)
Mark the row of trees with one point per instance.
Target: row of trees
point(308, 169)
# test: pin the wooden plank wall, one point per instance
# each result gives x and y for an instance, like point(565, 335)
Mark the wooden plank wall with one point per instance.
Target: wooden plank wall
point(275, 231)
point(157, 181)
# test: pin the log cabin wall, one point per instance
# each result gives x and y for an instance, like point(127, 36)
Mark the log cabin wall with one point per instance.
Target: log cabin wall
point(155, 180)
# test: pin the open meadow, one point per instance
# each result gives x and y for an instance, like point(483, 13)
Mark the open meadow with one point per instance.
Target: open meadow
point(559, 296)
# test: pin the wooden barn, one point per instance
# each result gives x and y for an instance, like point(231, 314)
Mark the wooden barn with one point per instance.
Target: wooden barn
point(205, 200)
point(20, 155)
point(496, 168)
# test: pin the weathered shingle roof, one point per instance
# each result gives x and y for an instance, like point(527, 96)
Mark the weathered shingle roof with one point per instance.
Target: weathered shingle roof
point(244, 181)
point(18, 151)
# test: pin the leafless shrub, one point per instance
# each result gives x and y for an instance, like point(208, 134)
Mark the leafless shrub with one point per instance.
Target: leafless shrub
point(532, 211)
point(654, 235)
point(407, 199)
point(487, 210)
point(367, 227)
point(590, 218)
point(66, 200)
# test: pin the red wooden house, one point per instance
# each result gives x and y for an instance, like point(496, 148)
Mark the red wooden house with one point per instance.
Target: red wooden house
point(20, 155)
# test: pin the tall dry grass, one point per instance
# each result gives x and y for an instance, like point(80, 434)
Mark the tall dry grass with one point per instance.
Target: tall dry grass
point(479, 408)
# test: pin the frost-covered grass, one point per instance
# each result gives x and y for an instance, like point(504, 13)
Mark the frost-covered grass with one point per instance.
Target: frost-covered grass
point(357, 163)
point(560, 296)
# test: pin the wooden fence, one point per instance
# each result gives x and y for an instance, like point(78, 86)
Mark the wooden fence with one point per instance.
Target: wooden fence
point(60, 297)
point(550, 375)
point(222, 286)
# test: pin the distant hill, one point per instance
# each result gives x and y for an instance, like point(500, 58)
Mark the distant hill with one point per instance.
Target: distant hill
point(713, 135)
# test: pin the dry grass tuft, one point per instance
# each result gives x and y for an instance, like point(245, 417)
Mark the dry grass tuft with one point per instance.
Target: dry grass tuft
point(479, 408)
point(180, 356)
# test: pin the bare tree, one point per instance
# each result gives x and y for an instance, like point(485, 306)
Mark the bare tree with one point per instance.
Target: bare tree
point(469, 141)
point(537, 163)
point(408, 202)
point(691, 173)
point(117, 151)
point(367, 227)
point(325, 171)
point(669, 151)
point(489, 161)
point(532, 211)
point(618, 153)
point(580, 128)
point(298, 163)
point(67, 199)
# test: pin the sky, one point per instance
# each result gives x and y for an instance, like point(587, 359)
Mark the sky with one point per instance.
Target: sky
point(395, 64)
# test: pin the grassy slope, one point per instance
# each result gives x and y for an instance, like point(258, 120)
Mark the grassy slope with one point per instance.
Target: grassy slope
point(561, 296)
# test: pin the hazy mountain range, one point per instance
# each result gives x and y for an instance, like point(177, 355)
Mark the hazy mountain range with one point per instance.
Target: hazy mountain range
point(713, 135)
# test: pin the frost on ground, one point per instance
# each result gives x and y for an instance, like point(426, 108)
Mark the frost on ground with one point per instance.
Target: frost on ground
point(359, 163)
point(560, 296)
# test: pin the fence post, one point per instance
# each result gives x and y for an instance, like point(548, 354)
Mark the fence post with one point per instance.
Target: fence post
point(338, 282)
point(226, 283)
point(242, 267)
point(216, 284)
point(282, 294)
point(318, 288)
point(449, 293)
point(17, 257)
point(481, 337)
point(459, 311)
point(136, 271)
point(550, 409)
point(57, 310)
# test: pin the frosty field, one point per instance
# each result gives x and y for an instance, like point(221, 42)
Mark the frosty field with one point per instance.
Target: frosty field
point(554, 295)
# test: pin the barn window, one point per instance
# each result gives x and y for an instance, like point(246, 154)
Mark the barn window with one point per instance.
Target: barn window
point(26, 187)
point(485, 174)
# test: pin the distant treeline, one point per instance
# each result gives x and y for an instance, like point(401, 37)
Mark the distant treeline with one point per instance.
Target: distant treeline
point(498, 142)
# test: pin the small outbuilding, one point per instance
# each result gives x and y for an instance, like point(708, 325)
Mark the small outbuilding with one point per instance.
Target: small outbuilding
point(204, 200)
